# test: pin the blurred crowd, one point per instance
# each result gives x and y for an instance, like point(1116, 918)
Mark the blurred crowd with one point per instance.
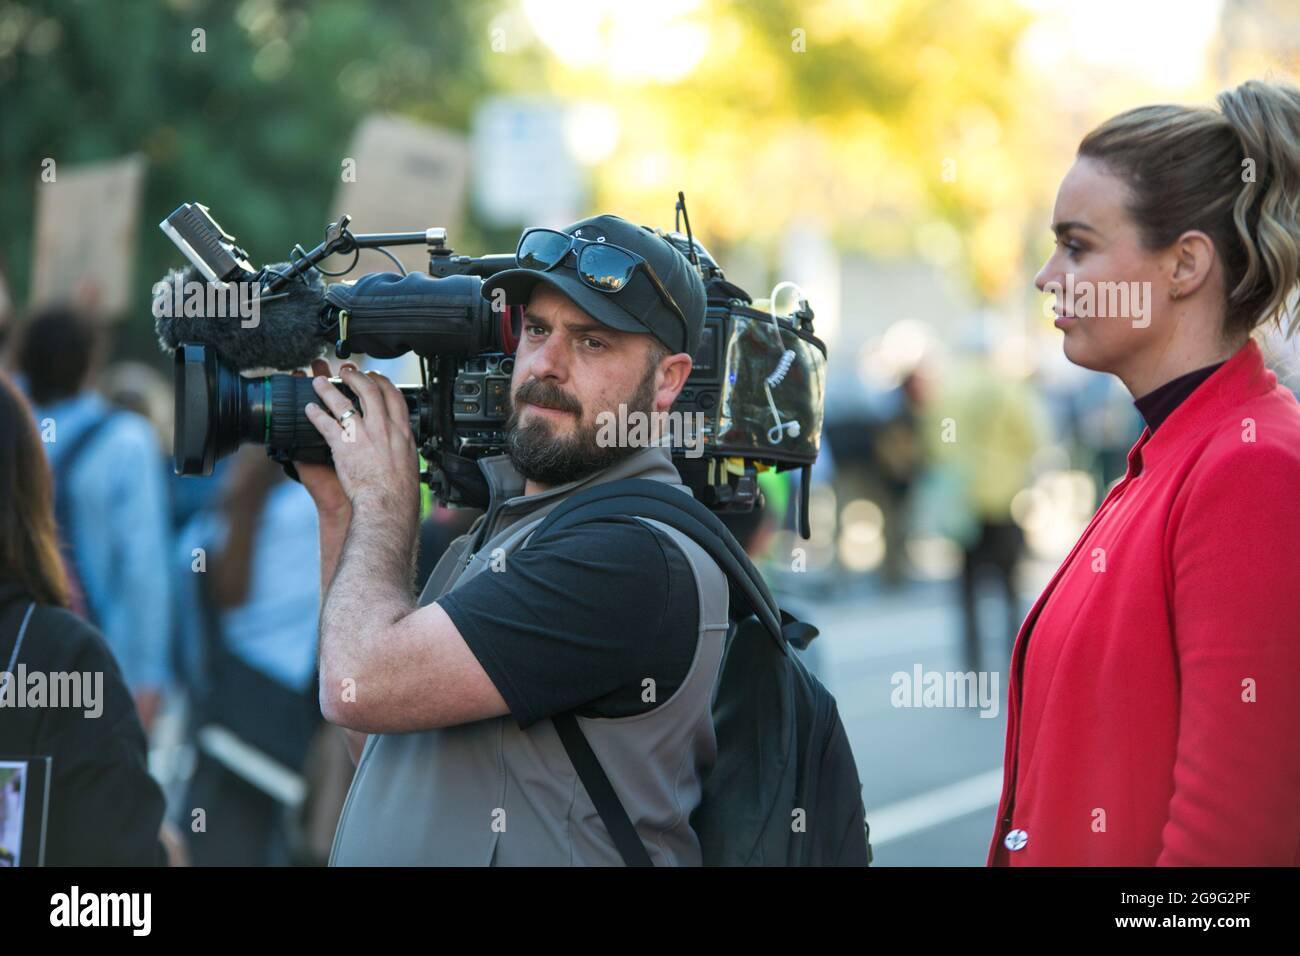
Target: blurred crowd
point(206, 591)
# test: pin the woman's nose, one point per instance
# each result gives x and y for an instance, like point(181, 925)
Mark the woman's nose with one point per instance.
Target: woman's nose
point(1044, 275)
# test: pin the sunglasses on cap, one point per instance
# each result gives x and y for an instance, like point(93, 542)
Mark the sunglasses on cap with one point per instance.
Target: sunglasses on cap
point(600, 265)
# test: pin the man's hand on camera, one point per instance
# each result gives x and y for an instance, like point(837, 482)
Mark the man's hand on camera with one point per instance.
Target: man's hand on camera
point(320, 480)
point(372, 445)
point(386, 664)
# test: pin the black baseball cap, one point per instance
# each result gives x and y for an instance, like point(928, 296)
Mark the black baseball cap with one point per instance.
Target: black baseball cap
point(637, 307)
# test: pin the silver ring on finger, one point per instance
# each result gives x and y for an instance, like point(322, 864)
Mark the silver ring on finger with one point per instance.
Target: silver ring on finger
point(346, 415)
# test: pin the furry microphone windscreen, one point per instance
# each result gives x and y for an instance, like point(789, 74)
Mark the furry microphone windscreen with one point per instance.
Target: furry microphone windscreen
point(282, 332)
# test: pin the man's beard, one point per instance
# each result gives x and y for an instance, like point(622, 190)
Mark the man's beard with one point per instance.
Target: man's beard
point(541, 456)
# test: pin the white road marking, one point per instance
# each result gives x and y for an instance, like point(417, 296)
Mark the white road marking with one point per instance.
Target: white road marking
point(902, 819)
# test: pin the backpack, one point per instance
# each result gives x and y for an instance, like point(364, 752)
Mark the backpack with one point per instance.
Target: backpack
point(784, 790)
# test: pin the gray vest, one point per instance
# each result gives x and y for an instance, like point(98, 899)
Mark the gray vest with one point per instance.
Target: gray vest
point(487, 793)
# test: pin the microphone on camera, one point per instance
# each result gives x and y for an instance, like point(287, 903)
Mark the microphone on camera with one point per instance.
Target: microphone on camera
point(285, 330)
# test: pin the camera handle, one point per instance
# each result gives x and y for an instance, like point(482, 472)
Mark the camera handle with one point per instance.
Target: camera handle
point(340, 240)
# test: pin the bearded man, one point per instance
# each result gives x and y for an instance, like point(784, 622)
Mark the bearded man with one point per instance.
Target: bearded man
point(451, 704)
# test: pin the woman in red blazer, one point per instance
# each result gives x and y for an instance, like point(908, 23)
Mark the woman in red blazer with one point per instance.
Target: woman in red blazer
point(1154, 713)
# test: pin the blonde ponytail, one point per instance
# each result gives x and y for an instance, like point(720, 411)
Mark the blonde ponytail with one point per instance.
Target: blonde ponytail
point(1266, 117)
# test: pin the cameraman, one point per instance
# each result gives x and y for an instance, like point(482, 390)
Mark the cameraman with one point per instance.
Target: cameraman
point(619, 622)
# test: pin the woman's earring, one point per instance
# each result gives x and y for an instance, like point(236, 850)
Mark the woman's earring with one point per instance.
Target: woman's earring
point(1173, 293)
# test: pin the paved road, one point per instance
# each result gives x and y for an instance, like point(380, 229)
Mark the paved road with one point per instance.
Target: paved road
point(931, 775)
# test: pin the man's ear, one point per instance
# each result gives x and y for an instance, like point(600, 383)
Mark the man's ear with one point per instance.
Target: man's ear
point(671, 375)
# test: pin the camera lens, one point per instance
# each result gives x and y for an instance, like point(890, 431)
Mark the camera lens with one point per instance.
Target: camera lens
point(217, 410)
point(289, 434)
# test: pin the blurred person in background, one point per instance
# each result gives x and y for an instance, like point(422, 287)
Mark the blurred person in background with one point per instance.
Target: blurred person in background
point(104, 808)
point(1106, 425)
point(879, 454)
point(110, 500)
point(146, 391)
point(249, 571)
point(985, 428)
point(899, 454)
point(1155, 686)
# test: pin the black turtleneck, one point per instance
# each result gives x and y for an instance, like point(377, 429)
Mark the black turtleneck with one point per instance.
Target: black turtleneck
point(1158, 405)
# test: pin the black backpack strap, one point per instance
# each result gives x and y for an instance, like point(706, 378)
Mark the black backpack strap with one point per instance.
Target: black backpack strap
point(643, 498)
point(601, 791)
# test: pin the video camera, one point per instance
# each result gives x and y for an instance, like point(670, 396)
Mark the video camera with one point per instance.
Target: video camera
point(756, 386)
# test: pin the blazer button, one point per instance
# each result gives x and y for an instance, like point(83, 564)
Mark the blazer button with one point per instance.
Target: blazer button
point(1016, 840)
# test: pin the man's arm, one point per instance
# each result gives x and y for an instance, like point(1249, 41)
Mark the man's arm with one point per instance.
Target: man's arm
point(333, 533)
point(386, 666)
point(334, 513)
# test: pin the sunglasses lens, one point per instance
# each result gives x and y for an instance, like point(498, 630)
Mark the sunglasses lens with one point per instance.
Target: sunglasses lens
point(605, 268)
point(542, 249)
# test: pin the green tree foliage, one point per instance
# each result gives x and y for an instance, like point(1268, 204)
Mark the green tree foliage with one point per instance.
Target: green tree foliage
point(254, 127)
point(905, 127)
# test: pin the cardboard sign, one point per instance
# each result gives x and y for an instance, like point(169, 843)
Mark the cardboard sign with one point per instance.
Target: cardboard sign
point(86, 222)
point(399, 175)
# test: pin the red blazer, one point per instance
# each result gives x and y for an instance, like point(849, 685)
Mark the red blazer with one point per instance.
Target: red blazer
point(1154, 711)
